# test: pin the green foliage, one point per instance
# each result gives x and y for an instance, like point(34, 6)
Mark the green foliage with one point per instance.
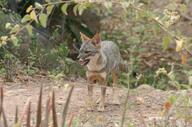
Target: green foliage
point(3, 3)
point(143, 28)
point(9, 64)
point(37, 57)
point(49, 9)
point(134, 25)
point(54, 60)
point(64, 8)
point(26, 18)
point(166, 42)
point(80, 7)
point(29, 29)
point(43, 19)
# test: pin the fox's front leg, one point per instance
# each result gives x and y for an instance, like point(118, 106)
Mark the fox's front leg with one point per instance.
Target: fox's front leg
point(102, 98)
point(90, 103)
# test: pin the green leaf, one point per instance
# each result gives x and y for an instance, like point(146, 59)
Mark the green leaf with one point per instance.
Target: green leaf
point(29, 29)
point(14, 40)
point(166, 42)
point(49, 9)
point(64, 8)
point(48, 1)
point(38, 5)
point(75, 9)
point(4, 38)
point(179, 44)
point(25, 18)
point(2, 43)
point(81, 8)
point(43, 19)
point(29, 8)
point(172, 99)
point(183, 8)
point(15, 29)
point(8, 25)
point(33, 16)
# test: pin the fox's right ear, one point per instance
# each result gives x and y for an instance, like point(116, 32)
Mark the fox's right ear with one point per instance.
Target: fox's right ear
point(84, 38)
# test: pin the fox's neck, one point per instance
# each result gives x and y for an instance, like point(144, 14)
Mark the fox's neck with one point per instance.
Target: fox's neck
point(97, 62)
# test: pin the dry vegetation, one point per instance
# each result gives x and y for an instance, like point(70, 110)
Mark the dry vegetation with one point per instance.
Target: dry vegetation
point(146, 106)
point(42, 84)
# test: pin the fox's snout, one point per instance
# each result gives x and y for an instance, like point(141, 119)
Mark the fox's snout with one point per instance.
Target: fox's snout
point(79, 56)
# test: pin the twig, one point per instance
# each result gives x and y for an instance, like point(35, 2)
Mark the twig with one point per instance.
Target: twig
point(4, 118)
point(125, 105)
point(28, 115)
point(1, 100)
point(70, 121)
point(54, 114)
point(38, 120)
point(47, 112)
point(66, 107)
point(186, 16)
point(16, 115)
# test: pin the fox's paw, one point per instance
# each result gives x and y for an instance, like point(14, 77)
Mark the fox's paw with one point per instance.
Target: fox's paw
point(90, 108)
point(101, 108)
point(90, 105)
point(98, 100)
point(116, 101)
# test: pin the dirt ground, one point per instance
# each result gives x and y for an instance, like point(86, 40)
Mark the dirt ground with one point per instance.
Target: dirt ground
point(145, 104)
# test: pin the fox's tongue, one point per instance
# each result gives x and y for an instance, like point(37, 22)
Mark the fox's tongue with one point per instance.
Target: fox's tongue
point(84, 62)
point(81, 62)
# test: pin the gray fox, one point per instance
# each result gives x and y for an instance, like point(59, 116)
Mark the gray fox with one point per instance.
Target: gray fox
point(101, 59)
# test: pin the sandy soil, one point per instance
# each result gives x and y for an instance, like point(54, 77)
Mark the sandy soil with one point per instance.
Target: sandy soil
point(145, 104)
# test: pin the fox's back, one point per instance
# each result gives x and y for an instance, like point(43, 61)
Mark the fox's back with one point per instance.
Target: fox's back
point(112, 53)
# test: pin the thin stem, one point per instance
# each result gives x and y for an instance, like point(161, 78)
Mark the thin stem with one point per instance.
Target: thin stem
point(58, 2)
point(126, 102)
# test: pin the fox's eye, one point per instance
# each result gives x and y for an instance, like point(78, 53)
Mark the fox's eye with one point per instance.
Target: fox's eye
point(87, 51)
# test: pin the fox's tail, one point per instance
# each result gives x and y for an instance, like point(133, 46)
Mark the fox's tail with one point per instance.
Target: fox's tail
point(123, 66)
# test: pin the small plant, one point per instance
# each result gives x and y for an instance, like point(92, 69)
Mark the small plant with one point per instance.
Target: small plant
point(176, 108)
point(25, 118)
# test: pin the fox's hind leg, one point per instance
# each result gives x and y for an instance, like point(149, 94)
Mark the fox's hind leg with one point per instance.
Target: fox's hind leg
point(115, 93)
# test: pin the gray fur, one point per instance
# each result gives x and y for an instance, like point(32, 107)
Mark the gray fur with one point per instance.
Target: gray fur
point(109, 59)
point(112, 53)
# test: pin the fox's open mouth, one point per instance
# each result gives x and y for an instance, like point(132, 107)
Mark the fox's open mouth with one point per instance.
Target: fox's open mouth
point(84, 62)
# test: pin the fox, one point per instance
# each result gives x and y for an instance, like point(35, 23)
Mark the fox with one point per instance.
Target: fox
point(101, 59)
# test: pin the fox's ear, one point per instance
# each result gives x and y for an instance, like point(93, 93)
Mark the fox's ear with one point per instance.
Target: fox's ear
point(84, 38)
point(96, 39)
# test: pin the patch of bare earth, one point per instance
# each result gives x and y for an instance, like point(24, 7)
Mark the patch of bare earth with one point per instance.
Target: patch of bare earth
point(145, 104)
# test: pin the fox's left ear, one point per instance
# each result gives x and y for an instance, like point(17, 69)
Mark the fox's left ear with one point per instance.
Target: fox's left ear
point(84, 38)
point(96, 40)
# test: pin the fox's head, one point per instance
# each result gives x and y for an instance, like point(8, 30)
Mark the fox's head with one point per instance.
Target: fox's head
point(89, 48)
